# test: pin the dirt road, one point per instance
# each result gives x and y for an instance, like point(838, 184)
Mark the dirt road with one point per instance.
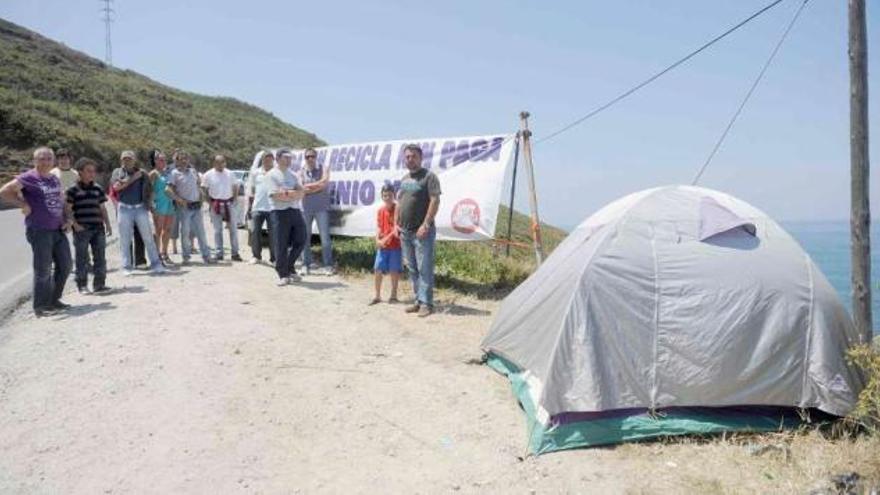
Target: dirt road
point(213, 380)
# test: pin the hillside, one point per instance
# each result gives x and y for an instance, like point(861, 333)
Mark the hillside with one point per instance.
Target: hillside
point(51, 94)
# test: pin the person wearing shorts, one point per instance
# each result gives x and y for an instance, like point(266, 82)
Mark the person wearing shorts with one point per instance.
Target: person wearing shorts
point(388, 253)
point(163, 205)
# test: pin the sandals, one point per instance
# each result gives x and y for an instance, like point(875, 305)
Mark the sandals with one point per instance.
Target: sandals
point(375, 300)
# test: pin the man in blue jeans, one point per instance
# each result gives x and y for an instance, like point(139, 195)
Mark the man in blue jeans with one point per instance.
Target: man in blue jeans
point(259, 208)
point(185, 190)
point(316, 208)
point(133, 189)
point(91, 226)
point(39, 195)
point(418, 201)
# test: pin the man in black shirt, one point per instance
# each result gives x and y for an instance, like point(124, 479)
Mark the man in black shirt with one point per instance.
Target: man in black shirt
point(91, 226)
point(418, 201)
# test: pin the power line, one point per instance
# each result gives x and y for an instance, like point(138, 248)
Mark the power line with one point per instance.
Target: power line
point(108, 12)
point(749, 93)
point(661, 73)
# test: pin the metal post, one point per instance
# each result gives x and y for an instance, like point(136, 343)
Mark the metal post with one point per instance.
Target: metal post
point(860, 213)
point(533, 195)
point(512, 191)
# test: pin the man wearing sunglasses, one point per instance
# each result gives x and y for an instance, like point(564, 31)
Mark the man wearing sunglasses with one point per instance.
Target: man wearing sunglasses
point(316, 208)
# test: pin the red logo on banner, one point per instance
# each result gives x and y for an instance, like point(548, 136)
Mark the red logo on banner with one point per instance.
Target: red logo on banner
point(466, 216)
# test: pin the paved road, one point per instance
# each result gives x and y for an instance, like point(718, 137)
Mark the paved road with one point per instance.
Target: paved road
point(15, 260)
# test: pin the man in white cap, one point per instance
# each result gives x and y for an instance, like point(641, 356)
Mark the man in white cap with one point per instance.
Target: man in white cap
point(135, 200)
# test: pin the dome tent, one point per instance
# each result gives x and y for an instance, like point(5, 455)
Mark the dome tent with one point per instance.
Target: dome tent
point(670, 311)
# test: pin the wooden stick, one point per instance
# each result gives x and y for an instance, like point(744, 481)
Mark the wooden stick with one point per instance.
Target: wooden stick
point(860, 214)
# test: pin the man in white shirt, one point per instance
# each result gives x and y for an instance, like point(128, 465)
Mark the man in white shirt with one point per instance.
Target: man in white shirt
point(221, 188)
point(286, 219)
point(63, 169)
point(259, 207)
point(185, 191)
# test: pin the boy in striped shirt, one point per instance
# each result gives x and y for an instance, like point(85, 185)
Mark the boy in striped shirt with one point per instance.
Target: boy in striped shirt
point(91, 226)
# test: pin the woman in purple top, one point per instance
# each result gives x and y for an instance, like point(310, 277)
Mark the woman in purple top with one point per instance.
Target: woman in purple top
point(39, 195)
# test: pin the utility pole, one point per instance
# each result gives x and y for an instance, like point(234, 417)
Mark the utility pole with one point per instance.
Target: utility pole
point(860, 213)
point(108, 11)
point(526, 136)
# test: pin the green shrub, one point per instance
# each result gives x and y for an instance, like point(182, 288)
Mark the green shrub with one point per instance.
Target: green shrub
point(479, 268)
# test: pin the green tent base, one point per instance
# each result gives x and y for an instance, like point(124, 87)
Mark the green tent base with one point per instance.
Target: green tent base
point(635, 427)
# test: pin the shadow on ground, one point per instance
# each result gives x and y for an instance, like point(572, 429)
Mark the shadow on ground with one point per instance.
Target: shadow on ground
point(459, 310)
point(84, 309)
point(127, 289)
point(319, 285)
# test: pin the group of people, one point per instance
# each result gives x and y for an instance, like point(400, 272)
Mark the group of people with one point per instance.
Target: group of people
point(59, 199)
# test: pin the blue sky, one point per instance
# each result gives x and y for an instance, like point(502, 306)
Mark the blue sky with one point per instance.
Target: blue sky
point(356, 71)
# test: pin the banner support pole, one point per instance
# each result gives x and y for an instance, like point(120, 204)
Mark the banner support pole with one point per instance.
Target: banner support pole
point(533, 195)
point(512, 192)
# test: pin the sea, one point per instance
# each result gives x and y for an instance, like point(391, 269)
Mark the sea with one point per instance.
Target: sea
point(828, 243)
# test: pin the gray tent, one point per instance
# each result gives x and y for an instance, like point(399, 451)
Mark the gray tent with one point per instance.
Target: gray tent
point(673, 310)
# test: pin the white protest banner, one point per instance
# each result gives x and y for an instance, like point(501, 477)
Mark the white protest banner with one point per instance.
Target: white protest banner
point(472, 172)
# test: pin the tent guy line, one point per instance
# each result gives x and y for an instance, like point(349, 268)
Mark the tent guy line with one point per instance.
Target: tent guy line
point(748, 95)
point(656, 76)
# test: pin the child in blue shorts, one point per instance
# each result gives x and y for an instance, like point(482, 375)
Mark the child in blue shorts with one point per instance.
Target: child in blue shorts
point(388, 258)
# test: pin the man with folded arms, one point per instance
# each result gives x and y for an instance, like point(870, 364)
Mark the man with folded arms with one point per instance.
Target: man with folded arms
point(286, 218)
point(133, 189)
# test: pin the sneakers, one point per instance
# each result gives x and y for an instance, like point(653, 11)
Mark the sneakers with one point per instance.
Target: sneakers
point(236, 257)
point(219, 257)
point(282, 282)
point(421, 310)
point(42, 312)
point(127, 272)
point(294, 278)
point(255, 261)
point(60, 305)
point(324, 270)
point(83, 290)
point(210, 261)
point(101, 290)
point(158, 269)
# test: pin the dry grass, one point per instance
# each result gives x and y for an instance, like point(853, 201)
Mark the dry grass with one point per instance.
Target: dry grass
point(867, 358)
point(790, 462)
